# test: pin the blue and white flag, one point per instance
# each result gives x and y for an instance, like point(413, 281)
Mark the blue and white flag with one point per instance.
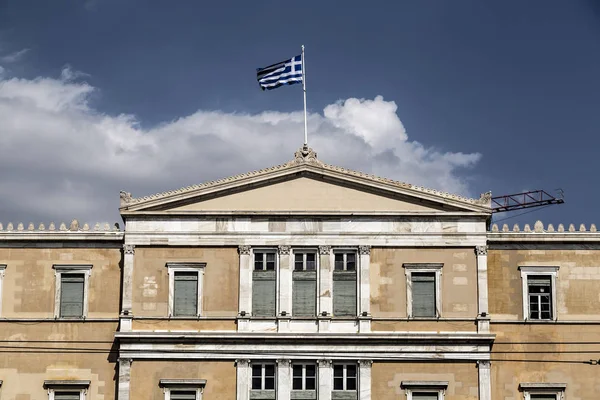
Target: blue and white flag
point(286, 72)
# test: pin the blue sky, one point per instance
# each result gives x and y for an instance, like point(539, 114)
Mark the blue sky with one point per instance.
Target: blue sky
point(149, 96)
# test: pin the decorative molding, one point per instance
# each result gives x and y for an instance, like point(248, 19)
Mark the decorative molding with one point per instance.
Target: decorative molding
point(305, 154)
point(364, 250)
point(244, 249)
point(129, 249)
point(481, 250)
point(284, 250)
point(284, 362)
point(125, 198)
point(484, 364)
point(324, 362)
point(424, 384)
point(125, 360)
point(242, 362)
point(324, 250)
point(365, 363)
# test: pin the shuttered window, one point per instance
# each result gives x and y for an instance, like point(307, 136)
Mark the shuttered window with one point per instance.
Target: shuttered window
point(540, 296)
point(183, 395)
point(423, 294)
point(425, 395)
point(264, 285)
point(67, 395)
point(344, 284)
point(304, 289)
point(185, 299)
point(71, 295)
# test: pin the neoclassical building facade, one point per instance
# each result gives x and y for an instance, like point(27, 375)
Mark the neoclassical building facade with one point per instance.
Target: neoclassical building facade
point(300, 281)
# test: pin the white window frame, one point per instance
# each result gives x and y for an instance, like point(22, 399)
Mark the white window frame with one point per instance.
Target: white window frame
point(345, 252)
point(2, 271)
point(526, 271)
point(263, 376)
point(263, 250)
point(169, 385)
point(304, 252)
point(357, 266)
point(75, 386)
point(59, 270)
point(303, 365)
point(345, 376)
point(412, 387)
point(435, 268)
point(556, 389)
point(172, 268)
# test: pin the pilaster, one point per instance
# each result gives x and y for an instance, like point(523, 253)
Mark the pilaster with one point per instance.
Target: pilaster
point(127, 302)
point(483, 319)
point(284, 379)
point(485, 379)
point(325, 281)
point(286, 267)
point(364, 379)
point(245, 299)
point(325, 383)
point(364, 311)
point(124, 378)
point(243, 376)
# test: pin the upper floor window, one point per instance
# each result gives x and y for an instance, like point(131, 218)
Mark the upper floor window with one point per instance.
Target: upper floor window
point(264, 283)
point(185, 289)
point(423, 289)
point(304, 285)
point(345, 377)
point(304, 377)
point(66, 389)
point(71, 294)
point(543, 391)
point(183, 389)
point(539, 293)
point(344, 283)
point(424, 390)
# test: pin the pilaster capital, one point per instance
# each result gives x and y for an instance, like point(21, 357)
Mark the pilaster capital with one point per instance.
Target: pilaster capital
point(484, 364)
point(364, 250)
point(284, 250)
point(365, 363)
point(324, 362)
point(244, 249)
point(242, 363)
point(481, 250)
point(285, 362)
point(129, 249)
point(125, 361)
point(324, 250)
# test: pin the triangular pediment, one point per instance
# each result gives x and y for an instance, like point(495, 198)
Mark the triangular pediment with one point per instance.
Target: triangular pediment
point(304, 185)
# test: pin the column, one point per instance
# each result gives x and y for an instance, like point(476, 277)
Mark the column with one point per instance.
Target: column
point(325, 291)
point(483, 318)
point(124, 378)
point(325, 383)
point(364, 379)
point(243, 376)
point(245, 299)
point(286, 266)
point(127, 302)
point(485, 380)
point(364, 309)
point(284, 379)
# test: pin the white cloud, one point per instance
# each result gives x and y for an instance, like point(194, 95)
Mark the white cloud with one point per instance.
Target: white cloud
point(60, 158)
point(14, 57)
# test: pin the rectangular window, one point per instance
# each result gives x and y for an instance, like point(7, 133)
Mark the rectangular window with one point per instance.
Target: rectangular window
point(71, 295)
point(304, 286)
point(67, 389)
point(345, 377)
point(344, 284)
point(540, 296)
point(67, 395)
point(182, 389)
point(542, 397)
point(423, 294)
point(543, 391)
point(424, 390)
point(263, 377)
point(183, 395)
point(185, 302)
point(425, 395)
point(264, 284)
point(304, 377)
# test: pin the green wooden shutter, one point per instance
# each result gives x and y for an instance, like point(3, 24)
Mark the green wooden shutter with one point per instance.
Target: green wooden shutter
point(183, 395)
point(263, 293)
point(423, 295)
point(71, 295)
point(304, 293)
point(185, 299)
point(425, 396)
point(344, 293)
point(67, 395)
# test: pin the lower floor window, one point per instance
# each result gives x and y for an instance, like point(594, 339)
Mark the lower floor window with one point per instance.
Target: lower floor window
point(263, 376)
point(183, 395)
point(67, 389)
point(183, 389)
point(304, 377)
point(543, 391)
point(344, 376)
point(424, 390)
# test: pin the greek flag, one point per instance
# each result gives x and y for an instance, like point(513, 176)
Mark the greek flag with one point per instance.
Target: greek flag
point(286, 72)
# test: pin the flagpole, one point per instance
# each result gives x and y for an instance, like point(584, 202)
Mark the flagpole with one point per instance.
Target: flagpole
point(304, 90)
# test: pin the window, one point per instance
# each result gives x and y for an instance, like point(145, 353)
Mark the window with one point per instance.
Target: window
point(263, 381)
point(539, 293)
point(71, 295)
point(67, 389)
point(543, 391)
point(424, 390)
point(264, 283)
point(345, 377)
point(304, 286)
point(344, 284)
point(423, 289)
point(183, 389)
point(185, 289)
point(304, 377)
